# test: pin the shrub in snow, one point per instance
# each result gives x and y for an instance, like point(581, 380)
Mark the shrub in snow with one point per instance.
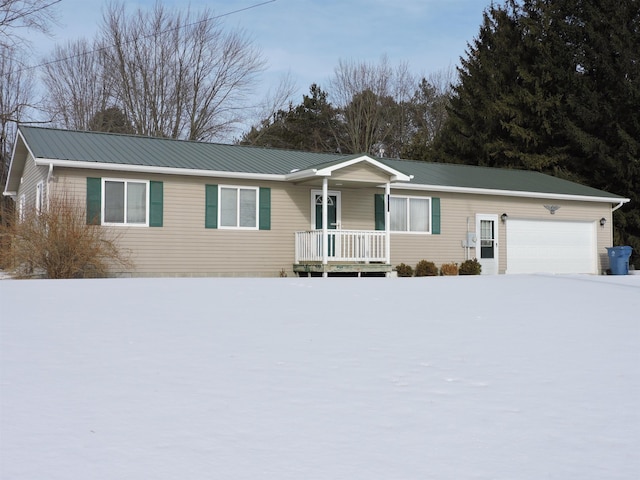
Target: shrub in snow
point(470, 267)
point(57, 242)
point(425, 268)
point(449, 269)
point(404, 270)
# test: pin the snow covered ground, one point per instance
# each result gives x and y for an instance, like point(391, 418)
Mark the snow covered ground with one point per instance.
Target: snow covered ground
point(504, 377)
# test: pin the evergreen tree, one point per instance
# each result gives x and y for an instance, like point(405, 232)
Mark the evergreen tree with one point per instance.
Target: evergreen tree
point(111, 120)
point(554, 86)
point(311, 126)
point(479, 105)
point(603, 117)
point(427, 115)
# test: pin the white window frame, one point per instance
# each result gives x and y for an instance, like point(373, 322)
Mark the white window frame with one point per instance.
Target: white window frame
point(22, 205)
point(39, 197)
point(103, 203)
point(237, 188)
point(430, 213)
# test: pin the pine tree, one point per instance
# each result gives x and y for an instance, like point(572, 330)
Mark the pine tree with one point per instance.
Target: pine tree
point(310, 126)
point(603, 117)
point(480, 101)
point(554, 86)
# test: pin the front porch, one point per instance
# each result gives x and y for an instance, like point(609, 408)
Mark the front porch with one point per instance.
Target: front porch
point(328, 249)
point(358, 252)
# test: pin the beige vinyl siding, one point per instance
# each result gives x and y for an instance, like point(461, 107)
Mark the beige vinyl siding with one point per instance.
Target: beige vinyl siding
point(31, 175)
point(183, 246)
point(360, 172)
point(459, 210)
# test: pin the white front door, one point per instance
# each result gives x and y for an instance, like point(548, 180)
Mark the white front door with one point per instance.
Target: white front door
point(487, 243)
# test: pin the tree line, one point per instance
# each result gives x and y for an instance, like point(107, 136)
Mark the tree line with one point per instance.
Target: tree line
point(546, 85)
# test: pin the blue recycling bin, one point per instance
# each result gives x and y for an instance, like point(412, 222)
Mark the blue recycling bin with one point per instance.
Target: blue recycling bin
point(619, 260)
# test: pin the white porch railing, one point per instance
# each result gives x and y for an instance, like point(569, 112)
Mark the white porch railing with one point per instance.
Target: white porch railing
point(344, 246)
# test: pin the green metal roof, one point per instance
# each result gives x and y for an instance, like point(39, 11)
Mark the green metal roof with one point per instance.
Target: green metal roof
point(116, 149)
point(470, 176)
point(162, 152)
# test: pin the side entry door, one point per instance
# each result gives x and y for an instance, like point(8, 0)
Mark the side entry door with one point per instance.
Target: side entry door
point(487, 243)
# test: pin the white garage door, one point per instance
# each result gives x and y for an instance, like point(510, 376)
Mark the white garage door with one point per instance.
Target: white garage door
point(551, 246)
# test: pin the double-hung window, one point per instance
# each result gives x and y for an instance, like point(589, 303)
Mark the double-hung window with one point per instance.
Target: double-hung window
point(39, 197)
point(22, 205)
point(125, 202)
point(410, 214)
point(238, 207)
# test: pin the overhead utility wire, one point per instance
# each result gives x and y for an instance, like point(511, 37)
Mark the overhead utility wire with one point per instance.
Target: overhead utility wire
point(88, 52)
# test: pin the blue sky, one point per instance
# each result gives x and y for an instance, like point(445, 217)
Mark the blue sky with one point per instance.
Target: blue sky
point(307, 38)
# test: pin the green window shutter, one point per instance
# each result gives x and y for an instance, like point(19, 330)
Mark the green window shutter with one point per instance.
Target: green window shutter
point(435, 216)
point(211, 206)
point(156, 200)
point(94, 200)
point(265, 209)
point(379, 211)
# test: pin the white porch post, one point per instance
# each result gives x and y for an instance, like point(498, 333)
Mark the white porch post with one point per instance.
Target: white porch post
point(325, 230)
point(387, 222)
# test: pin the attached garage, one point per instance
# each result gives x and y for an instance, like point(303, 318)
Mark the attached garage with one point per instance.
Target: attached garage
point(551, 246)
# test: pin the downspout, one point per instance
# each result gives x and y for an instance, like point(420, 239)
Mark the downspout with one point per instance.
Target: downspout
point(387, 221)
point(49, 180)
point(325, 231)
point(617, 206)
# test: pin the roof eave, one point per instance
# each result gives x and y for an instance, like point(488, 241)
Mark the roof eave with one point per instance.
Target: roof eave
point(159, 170)
point(511, 193)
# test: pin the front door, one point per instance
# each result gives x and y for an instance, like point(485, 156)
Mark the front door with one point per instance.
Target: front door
point(333, 216)
point(333, 210)
point(487, 243)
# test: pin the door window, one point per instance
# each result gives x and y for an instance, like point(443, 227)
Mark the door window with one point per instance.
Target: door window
point(487, 239)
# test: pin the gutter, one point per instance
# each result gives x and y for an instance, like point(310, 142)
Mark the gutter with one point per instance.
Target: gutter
point(160, 170)
point(512, 193)
point(308, 173)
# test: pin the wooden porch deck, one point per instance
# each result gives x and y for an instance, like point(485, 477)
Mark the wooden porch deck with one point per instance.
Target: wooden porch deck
point(312, 269)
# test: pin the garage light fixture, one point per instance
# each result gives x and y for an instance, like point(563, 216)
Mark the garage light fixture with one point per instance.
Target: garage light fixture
point(552, 208)
point(603, 221)
point(504, 217)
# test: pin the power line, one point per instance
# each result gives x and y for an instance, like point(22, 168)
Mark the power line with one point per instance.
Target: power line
point(101, 49)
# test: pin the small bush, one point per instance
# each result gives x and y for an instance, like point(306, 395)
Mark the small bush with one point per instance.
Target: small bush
point(470, 267)
point(449, 269)
point(425, 268)
point(58, 243)
point(404, 270)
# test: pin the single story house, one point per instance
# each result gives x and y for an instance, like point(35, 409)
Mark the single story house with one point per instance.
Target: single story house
point(200, 209)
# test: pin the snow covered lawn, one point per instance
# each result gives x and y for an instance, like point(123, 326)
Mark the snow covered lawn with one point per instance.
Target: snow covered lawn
point(503, 377)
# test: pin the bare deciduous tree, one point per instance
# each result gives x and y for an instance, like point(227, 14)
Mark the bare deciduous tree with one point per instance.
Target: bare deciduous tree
point(16, 91)
point(17, 16)
point(178, 75)
point(369, 96)
point(76, 85)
